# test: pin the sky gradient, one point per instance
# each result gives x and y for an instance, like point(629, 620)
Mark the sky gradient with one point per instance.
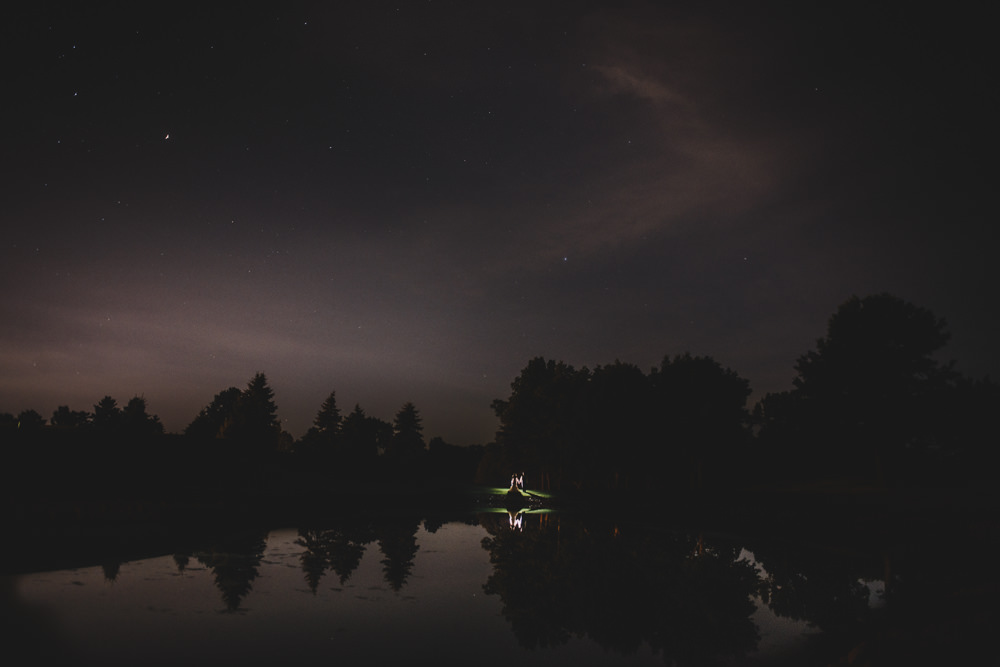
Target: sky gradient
point(408, 201)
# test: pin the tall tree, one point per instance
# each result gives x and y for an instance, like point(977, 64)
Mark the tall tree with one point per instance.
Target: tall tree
point(783, 423)
point(874, 381)
point(703, 415)
point(137, 422)
point(107, 415)
point(619, 424)
point(328, 418)
point(319, 442)
point(407, 443)
point(542, 422)
point(255, 421)
point(361, 437)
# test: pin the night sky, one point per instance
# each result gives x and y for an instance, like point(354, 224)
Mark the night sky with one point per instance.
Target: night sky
point(408, 201)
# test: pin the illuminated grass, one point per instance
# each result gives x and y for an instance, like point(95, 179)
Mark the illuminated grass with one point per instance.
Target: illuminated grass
point(502, 491)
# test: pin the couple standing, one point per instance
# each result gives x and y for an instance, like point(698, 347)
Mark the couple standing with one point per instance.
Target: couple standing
point(517, 481)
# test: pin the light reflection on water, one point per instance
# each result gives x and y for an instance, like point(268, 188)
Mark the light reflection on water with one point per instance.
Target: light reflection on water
point(422, 594)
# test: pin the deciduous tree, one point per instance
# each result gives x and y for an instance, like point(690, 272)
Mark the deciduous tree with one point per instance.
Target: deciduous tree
point(63, 417)
point(542, 420)
point(137, 422)
point(702, 413)
point(873, 384)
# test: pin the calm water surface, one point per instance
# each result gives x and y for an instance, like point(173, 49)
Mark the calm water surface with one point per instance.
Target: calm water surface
point(546, 589)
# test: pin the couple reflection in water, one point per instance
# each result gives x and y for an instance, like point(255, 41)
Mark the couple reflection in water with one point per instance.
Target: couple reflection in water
point(516, 484)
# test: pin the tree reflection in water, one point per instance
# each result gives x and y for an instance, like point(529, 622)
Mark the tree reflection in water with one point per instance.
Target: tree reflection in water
point(622, 588)
point(337, 549)
point(635, 590)
point(341, 549)
point(397, 540)
point(111, 570)
point(825, 588)
point(235, 564)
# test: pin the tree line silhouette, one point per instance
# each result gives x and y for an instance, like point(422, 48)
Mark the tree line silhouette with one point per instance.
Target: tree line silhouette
point(872, 401)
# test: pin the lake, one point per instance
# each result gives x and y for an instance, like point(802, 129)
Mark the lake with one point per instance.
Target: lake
point(491, 588)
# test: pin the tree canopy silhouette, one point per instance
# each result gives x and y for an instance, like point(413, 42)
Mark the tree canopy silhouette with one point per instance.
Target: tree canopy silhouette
point(107, 415)
point(603, 427)
point(702, 413)
point(256, 417)
point(213, 420)
point(248, 416)
point(136, 422)
point(30, 421)
point(872, 393)
point(361, 438)
point(541, 420)
point(319, 443)
point(63, 417)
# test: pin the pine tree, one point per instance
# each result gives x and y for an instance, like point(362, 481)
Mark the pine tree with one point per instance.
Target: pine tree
point(328, 418)
point(407, 443)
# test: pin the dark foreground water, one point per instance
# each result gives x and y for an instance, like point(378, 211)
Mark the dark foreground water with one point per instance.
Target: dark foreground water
point(489, 589)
